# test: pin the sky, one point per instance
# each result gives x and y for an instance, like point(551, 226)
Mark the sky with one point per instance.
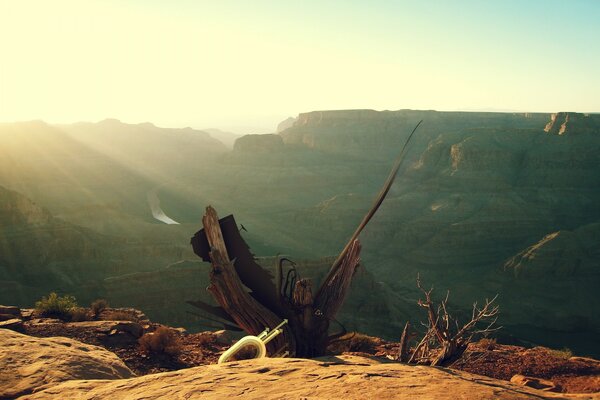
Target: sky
point(246, 65)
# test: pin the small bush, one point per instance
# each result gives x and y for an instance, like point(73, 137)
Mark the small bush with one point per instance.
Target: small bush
point(98, 306)
point(355, 342)
point(56, 306)
point(488, 343)
point(119, 316)
point(565, 353)
point(79, 314)
point(204, 339)
point(161, 341)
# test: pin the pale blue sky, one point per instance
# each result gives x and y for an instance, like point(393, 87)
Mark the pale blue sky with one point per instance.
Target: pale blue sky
point(245, 65)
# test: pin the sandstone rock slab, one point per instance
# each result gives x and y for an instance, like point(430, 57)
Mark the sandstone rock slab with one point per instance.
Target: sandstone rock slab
point(110, 327)
point(6, 317)
point(536, 383)
point(27, 363)
point(12, 310)
point(345, 377)
point(27, 313)
point(15, 324)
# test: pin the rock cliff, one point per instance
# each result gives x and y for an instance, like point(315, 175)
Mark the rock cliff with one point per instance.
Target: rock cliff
point(564, 123)
point(258, 143)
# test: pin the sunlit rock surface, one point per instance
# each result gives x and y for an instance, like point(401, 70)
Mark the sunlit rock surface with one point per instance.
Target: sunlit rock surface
point(29, 363)
point(347, 377)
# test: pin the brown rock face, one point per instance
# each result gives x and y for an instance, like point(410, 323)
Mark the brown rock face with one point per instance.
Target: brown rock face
point(536, 383)
point(17, 209)
point(286, 123)
point(14, 324)
point(27, 363)
point(347, 377)
point(568, 122)
point(10, 310)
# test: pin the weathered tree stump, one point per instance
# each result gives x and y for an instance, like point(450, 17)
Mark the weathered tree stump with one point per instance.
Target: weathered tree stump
point(306, 334)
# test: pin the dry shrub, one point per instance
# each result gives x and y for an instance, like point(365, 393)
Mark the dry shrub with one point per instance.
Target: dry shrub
point(355, 342)
point(564, 354)
point(119, 316)
point(79, 314)
point(161, 341)
point(205, 338)
point(488, 343)
point(98, 306)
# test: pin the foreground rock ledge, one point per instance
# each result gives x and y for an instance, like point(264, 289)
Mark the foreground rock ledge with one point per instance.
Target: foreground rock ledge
point(27, 363)
point(344, 377)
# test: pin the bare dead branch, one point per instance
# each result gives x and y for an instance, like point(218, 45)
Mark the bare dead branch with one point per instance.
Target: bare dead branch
point(445, 339)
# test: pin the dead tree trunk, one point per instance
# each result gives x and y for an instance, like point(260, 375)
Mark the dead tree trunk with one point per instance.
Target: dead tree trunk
point(308, 318)
point(452, 341)
point(228, 291)
point(403, 348)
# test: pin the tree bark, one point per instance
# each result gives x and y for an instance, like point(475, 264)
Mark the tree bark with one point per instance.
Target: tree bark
point(228, 291)
point(307, 332)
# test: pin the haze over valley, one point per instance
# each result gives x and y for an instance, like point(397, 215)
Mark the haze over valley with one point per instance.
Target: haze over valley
point(485, 203)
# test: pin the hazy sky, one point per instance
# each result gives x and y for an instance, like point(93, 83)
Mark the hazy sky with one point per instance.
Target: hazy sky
point(249, 64)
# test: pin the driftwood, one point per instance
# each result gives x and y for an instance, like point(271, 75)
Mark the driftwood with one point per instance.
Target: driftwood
point(246, 293)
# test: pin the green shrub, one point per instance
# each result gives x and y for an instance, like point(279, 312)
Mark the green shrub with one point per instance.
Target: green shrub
point(56, 306)
point(161, 341)
point(98, 306)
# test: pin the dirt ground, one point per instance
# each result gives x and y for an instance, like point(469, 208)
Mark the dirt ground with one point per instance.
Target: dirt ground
point(488, 358)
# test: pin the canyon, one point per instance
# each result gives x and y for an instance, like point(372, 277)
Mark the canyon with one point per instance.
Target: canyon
point(484, 204)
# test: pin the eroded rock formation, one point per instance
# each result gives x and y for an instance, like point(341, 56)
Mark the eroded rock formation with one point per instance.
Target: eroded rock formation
point(29, 363)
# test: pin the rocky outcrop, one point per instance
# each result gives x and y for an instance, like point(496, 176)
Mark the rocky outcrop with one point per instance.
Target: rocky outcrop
point(536, 383)
point(39, 252)
point(9, 312)
point(14, 324)
point(558, 274)
point(348, 377)
point(381, 133)
point(258, 143)
point(29, 363)
point(560, 254)
point(564, 123)
point(16, 209)
point(286, 123)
